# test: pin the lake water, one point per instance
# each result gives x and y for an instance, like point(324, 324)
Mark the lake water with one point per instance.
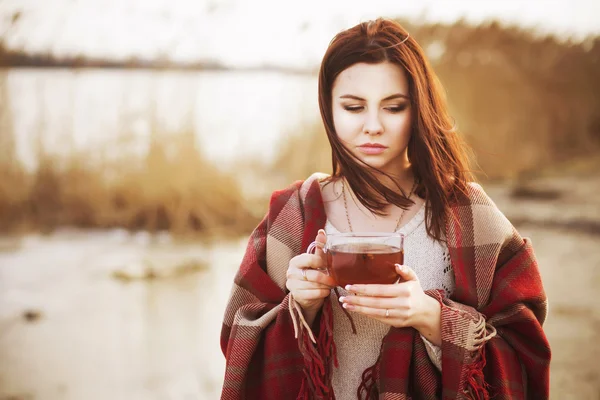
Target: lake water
point(233, 115)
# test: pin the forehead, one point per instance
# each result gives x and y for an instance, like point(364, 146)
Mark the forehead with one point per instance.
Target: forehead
point(371, 80)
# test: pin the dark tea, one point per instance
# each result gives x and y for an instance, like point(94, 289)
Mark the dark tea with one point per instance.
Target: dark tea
point(365, 263)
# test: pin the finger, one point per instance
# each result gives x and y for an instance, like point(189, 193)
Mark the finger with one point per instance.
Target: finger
point(369, 311)
point(311, 275)
point(371, 302)
point(406, 273)
point(375, 290)
point(321, 239)
point(311, 294)
point(301, 284)
point(319, 276)
point(305, 260)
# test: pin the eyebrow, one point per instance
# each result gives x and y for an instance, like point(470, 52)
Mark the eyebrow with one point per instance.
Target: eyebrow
point(392, 97)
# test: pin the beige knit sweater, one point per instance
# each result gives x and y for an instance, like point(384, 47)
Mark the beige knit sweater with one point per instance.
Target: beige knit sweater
point(431, 262)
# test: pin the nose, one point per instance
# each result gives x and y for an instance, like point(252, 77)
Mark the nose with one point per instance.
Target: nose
point(372, 124)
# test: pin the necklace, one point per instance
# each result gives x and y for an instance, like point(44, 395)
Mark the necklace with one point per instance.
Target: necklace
point(399, 218)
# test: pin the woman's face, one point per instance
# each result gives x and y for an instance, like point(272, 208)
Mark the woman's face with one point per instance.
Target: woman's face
point(372, 116)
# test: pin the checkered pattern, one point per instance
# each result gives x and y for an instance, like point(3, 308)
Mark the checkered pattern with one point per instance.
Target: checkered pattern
point(493, 344)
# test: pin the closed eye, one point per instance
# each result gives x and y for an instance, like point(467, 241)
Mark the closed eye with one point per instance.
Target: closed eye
point(353, 108)
point(397, 109)
point(392, 109)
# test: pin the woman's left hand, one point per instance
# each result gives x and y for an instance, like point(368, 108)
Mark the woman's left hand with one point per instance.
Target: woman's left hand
point(404, 304)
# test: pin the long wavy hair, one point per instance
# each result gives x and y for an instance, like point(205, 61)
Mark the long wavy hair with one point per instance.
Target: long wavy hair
point(438, 155)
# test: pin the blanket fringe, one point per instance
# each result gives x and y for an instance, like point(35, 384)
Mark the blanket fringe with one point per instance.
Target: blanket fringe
point(368, 386)
point(368, 390)
point(318, 359)
point(475, 380)
point(337, 293)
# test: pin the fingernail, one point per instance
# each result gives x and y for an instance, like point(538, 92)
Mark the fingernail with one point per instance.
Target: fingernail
point(321, 231)
point(348, 287)
point(341, 299)
point(348, 306)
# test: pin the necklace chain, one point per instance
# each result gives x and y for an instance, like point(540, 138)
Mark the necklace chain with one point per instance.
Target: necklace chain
point(399, 218)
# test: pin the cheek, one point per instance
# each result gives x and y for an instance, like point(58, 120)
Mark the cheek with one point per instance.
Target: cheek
point(346, 124)
point(401, 126)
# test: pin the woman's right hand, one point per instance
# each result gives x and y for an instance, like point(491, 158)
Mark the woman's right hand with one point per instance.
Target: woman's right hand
point(311, 288)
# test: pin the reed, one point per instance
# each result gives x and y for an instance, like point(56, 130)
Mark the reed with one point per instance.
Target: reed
point(176, 190)
point(524, 101)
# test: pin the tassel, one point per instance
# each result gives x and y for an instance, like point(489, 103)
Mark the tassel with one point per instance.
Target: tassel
point(368, 386)
point(475, 380)
point(327, 345)
point(337, 293)
point(318, 359)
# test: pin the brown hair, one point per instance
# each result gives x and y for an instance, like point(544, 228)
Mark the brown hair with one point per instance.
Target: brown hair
point(437, 153)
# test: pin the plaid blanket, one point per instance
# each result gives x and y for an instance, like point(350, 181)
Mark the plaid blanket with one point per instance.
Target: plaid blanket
point(493, 344)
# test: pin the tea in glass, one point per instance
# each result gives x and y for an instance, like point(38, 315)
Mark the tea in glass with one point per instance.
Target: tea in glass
point(363, 257)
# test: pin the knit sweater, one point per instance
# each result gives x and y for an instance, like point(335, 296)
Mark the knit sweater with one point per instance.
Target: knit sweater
point(431, 262)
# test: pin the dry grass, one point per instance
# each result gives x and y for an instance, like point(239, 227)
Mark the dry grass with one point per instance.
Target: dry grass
point(178, 191)
point(306, 151)
point(524, 102)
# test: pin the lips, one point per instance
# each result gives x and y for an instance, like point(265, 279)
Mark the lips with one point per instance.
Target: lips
point(372, 148)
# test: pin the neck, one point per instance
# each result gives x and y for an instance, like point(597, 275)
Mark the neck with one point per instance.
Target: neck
point(400, 173)
point(405, 181)
point(402, 178)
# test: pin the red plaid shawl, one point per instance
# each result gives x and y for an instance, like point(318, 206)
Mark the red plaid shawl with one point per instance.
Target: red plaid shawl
point(492, 338)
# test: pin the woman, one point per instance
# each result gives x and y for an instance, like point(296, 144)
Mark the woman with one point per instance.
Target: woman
point(466, 319)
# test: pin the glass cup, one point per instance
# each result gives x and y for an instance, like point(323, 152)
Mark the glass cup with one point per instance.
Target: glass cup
point(362, 258)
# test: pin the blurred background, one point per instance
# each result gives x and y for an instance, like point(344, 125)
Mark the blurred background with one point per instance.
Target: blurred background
point(140, 141)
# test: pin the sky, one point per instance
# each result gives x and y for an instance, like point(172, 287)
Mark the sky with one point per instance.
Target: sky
point(237, 32)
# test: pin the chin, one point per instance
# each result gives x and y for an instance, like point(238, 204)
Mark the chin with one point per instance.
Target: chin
point(384, 162)
point(376, 162)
